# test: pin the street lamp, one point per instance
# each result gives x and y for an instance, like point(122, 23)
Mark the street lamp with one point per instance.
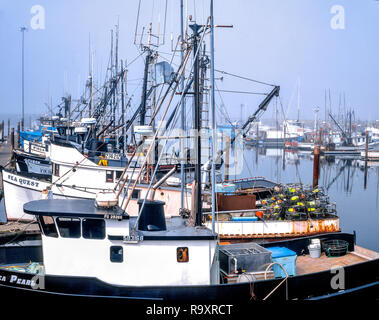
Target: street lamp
point(23, 29)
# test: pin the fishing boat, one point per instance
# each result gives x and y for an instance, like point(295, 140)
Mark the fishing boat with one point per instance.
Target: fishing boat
point(106, 255)
point(292, 131)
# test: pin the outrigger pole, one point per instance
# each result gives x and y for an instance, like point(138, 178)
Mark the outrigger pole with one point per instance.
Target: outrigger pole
point(213, 121)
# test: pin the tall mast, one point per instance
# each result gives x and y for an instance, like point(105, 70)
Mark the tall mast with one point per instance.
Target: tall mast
point(183, 110)
point(123, 106)
point(23, 29)
point(144, 87)
point(298, 100)
point(196, 124)
point(90, 67)
point(115, 94)
point(213, 122)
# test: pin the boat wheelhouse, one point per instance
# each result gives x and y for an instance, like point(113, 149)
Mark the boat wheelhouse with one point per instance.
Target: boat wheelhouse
point(80, 239)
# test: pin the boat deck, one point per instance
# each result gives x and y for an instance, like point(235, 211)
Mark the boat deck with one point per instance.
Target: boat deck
point(19, 226)
point(307, 264)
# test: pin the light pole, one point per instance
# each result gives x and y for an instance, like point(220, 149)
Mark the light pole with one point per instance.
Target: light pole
point(23, 29)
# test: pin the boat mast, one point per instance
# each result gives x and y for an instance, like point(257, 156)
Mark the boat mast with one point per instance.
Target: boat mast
point(298, 101)
point(213, 122)
point(196, 125)
point(183, 111)
point(144, 87)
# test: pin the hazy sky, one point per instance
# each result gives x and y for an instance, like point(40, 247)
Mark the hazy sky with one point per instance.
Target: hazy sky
point(275, 41)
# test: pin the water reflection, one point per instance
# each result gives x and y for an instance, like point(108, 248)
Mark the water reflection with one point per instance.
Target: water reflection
point(354, 189)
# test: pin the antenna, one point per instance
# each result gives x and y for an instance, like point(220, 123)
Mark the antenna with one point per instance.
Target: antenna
point(298, 99)
point(137, 20)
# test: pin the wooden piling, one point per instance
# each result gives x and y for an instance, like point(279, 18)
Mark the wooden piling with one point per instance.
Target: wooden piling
point(366, 159)
point(12, 140)
point(2, 130)
point(18, 135)
point(316, 165)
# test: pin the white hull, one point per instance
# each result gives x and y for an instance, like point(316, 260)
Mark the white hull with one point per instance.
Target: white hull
point(35, 167)
point(19, 190)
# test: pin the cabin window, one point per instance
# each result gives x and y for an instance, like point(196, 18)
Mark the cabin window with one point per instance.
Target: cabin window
point(109, 176)
point(93, 229)
point(69, 227)
point(182, 254)
point(118, 174)
point(48, 226)
point(136, 194)
point(117, 254)
point(56, 169)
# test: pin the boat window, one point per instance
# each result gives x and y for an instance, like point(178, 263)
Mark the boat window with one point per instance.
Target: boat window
point(136, 194)
point(116, 254)
point(69, 227)
point(93, 229)
point(48, 226)
point(182, 254)
point(118, 174)
point(56, 169)
point(109, 176)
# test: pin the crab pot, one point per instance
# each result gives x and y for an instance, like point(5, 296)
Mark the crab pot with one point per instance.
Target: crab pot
point(250, 257)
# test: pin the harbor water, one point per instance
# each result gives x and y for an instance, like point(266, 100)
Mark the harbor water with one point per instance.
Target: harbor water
point(342, 179)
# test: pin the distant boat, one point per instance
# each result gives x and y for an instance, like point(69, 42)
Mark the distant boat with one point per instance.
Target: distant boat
point(292, 131)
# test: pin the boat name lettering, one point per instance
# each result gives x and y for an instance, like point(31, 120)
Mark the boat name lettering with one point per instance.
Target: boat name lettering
point(22, 181)
point(16, 280)
point(136, 238)
point(112, 217)
point(112, 156)
point(38, 148)
point(32, 161)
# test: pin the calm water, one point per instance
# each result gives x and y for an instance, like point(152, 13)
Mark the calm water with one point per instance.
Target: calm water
point(342, 179)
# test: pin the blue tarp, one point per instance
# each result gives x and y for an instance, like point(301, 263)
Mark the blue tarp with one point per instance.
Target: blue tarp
point(36, 135)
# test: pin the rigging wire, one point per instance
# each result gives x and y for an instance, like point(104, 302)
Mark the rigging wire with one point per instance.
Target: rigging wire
point(244, 92)
point(245, 78)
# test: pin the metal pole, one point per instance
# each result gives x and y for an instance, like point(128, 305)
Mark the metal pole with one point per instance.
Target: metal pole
point(196, 125)
point(227, 152)
point(213, 122)
point(366, 159)
point(183, 112)
point(18, 135)
point(23, 29)
point(123, 107)
point(144, 87)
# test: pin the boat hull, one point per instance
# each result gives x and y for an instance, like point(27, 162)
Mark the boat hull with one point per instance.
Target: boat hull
point(274, 229)
point(17, 191)
point(20, 189)
point(360, 281)
point(33, 164)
